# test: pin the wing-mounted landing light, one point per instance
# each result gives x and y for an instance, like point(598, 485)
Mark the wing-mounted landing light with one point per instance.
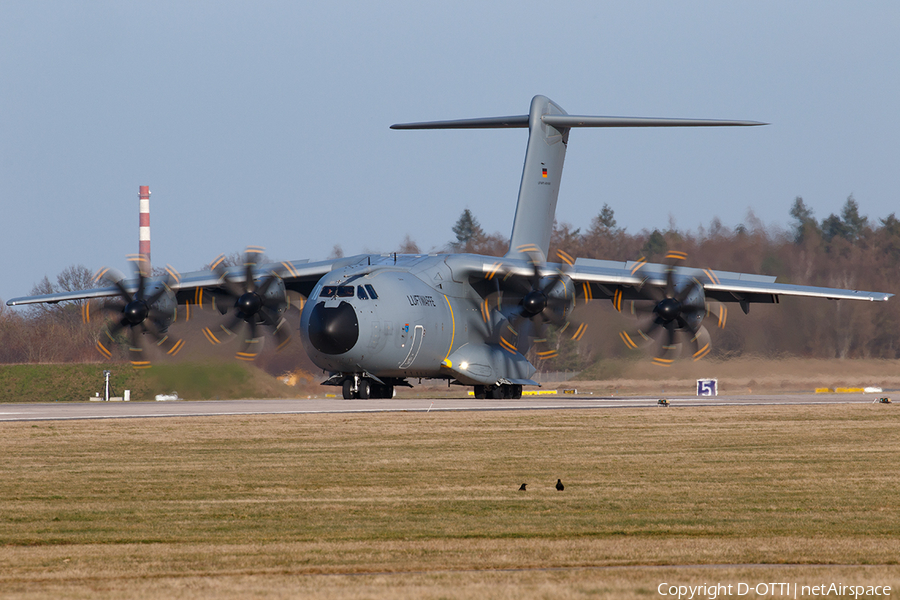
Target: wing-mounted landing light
point(529, 302)
point(145, 307)
point(671, 316)
point(253, 296)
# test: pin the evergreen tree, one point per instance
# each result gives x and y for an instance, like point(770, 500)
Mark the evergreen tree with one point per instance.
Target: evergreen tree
point(655, 245)
point(605, 222)
point(854, 224)
point(467, 231)
point(805, 224)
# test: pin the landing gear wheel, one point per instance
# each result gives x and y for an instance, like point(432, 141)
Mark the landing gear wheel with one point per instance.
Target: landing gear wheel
point(363, 389)
point(348, 389)
point(480, 392)
point(384, 392)
point(497, 392)
point(516, 391)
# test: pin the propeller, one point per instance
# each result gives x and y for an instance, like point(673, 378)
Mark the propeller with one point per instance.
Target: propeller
point(146, 308)
point(255, 298)
point(671, 316)
point(530, 303)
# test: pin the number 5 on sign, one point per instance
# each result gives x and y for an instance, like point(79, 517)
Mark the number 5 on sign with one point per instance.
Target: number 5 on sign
point(707, 387)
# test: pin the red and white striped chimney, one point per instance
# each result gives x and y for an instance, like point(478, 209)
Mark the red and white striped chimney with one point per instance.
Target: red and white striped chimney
point(144, 234)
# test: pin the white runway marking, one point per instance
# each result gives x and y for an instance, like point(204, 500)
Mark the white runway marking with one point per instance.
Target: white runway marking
point(183, 408)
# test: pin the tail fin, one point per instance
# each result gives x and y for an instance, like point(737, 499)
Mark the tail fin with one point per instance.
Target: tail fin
point(539, 190)
point(548, 126)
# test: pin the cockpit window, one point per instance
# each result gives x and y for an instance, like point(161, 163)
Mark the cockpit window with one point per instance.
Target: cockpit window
point(372, 293)
point(336, 291)
point(361, 293)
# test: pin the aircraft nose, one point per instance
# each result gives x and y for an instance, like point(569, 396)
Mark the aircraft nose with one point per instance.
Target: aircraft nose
point(333, 330)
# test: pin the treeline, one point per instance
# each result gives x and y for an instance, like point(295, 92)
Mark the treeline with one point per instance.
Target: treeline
point(845, 251)
point(43, 333)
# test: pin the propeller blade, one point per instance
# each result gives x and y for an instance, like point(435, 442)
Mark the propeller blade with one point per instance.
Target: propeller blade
point(679, 311)
point(701, 343)
point(670, 282)
point(252, 301)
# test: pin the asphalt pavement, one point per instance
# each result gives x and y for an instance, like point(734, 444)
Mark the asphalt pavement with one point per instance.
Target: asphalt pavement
point(182, 408)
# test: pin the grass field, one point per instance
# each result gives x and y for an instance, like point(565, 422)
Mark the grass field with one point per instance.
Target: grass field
point(227, 379)
point(412, 505)
point(78, 382)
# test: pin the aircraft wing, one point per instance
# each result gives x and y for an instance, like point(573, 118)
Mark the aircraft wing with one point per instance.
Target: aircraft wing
point(299, 276)
point(602, 276)
point(618, 281)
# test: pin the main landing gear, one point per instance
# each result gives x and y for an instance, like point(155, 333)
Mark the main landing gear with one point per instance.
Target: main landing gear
point(363, 389)
point(511, 391)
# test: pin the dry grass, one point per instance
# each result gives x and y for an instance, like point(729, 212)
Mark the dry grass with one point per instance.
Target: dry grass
point(415, 505)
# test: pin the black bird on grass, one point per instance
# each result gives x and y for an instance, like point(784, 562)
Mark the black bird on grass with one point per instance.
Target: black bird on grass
point(559, 485)
point(522, 487)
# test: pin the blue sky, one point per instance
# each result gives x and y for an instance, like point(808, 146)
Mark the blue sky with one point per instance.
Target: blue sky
point(267, 123)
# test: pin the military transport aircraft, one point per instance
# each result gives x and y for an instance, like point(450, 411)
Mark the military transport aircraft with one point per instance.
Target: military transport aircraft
point(372, 322)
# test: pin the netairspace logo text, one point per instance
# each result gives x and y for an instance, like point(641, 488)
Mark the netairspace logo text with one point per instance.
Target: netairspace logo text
point(777, 589)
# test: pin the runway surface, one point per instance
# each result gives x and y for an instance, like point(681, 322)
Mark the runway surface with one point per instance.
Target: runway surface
point(182, 408)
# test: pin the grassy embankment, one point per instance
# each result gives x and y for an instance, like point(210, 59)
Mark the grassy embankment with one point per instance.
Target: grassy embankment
point(226, 379)
point(413, 505)
point(79, 382)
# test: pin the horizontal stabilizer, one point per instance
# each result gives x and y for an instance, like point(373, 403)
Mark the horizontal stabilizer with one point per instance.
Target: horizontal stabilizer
point(567, 121)
point(560, 121)
point(520, 121)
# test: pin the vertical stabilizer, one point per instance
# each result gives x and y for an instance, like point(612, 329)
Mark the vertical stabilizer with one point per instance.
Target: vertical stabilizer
point(539, 189)
point(548, 126)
